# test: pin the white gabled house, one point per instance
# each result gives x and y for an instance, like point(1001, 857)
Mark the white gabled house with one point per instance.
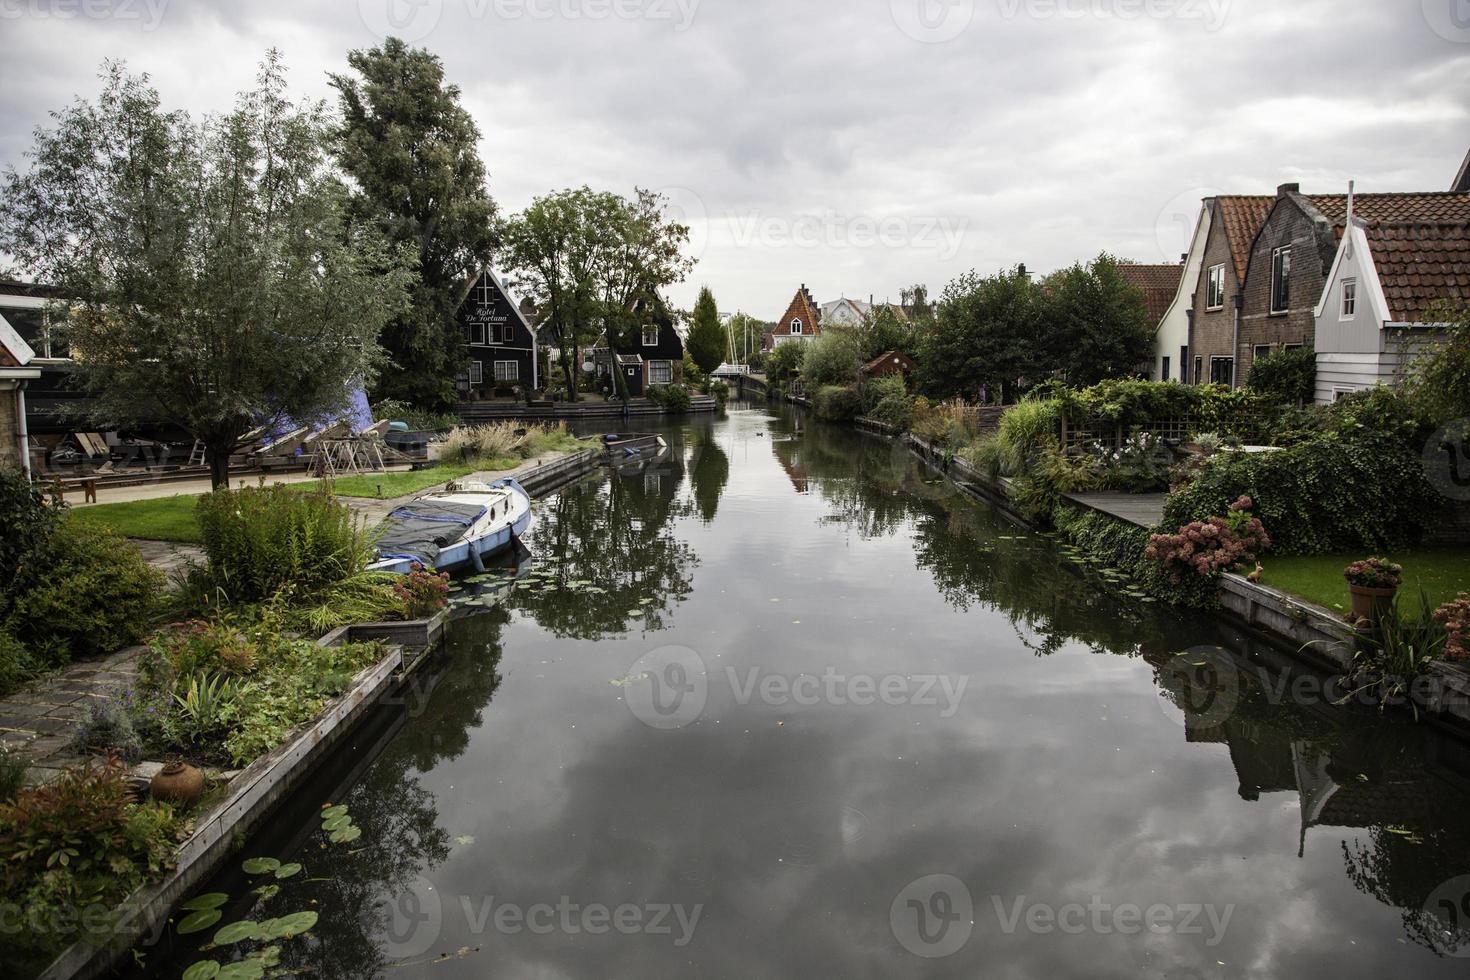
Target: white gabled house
point(1171, 336)
point(1390, 271)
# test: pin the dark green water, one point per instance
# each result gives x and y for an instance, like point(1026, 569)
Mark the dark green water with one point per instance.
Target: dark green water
point(811, 712)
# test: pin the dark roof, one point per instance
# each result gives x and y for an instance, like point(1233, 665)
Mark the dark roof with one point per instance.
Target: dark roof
point(1420, 244)
point(877, 362)
point(1159, 284)
point(1242, 218)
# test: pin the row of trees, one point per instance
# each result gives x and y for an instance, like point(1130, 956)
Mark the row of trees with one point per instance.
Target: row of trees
point(263, 264)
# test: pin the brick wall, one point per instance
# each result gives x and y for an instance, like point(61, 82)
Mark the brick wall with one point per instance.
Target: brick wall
point(9, 428)
point(1214, 330)
point(1313, 246)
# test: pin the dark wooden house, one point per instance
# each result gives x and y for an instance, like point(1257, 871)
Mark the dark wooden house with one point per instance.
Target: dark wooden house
point(654, 357)
point(499, 341)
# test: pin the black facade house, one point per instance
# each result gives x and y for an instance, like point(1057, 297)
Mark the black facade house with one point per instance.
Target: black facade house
point(653, 356)
point(500, 343)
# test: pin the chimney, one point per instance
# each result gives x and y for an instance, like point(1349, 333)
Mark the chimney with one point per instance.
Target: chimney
point(1183, 258)
point(1286, 189)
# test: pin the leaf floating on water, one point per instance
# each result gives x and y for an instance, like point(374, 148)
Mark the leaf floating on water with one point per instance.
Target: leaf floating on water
point(203, 903)
point(288, 871)
point(336, 823)
point(242, 970)
point(334, 811)
point(267, 892)
point(259, 866)
point(346, 835)
point(203, 970)
point(199, 921)
point(236, 932)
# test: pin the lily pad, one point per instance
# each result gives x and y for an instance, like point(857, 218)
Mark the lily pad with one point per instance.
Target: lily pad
point(346, 835)
point(237, 932)
point(267, 892)
point(199, 921)
point(210, 900)
point(288, 871)
point(203, 970)
point(336, 823)
point(259, 866)
point(242, 970)
point(286, 926)
point(334, 811)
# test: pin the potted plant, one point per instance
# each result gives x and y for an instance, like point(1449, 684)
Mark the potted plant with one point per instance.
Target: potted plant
point(1372, 583)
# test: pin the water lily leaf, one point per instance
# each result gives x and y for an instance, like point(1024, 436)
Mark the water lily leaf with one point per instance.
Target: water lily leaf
point(259, 866)
point(236, 932)
point(210, 900)
point(289, 925)
point(346, 835)
point(203, 970)
point(199, 921)
point(288, 871)
point(334, 811)
point(267, 891)
point(242, 970)
point(336, 823)
point(268, 957)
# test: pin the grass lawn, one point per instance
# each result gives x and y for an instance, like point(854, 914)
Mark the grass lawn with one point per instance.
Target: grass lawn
point(159, 519)
point(1441, 573)
point(398, 484)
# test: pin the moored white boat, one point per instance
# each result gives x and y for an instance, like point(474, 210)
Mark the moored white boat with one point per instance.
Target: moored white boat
point(462, 525)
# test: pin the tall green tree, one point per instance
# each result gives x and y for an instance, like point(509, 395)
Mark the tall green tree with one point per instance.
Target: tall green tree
point(884, 330)
point(411, 150)
point(984, 338)
point(1095, 323)
point(213, 276)
point(707, 341)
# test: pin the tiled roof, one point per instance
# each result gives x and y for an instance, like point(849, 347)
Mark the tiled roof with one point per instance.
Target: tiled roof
point(1420, 243)
point(1159, 284)
point(1242, 217)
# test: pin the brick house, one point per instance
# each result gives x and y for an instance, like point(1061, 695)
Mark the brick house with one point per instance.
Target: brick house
point(1233, 222)
point(801, 322)
point(1400, 255)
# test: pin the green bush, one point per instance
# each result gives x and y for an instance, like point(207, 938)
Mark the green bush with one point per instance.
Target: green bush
point(833, 358)
point(835, 403)
point(13, 771)
point(262, 540)
point(721, 392)
point(1365, 493)
point(28, 524)
point(1030, 427)
point(17, 664)
point(1286, 377)
point(95, 595)
point(887, 400)
point(674, 398)
point(417, 419)
point(1123, 545)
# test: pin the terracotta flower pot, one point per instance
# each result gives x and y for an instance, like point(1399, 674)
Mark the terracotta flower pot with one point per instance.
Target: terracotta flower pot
point(179, 783)
point(1370, 604)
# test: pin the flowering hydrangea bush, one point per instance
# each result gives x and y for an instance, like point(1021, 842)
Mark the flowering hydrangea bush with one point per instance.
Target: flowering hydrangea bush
point(423, 591)
point(1207, 548)
point(1374, 573)
point(1454, 616)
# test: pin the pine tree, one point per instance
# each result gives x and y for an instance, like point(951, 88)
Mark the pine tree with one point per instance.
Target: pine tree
point(706, 338)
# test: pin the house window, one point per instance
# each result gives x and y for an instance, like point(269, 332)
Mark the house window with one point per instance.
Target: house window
point(1215, 288)
point(1222, 370)
point(1349, 298)
point(1184, 364)
point(477, 372)
point(1199, 370)
point(1262, 350)
point(660, 372)
point(650, 335)
point(1286, 347)
point(477, 334)
point(507, 370)
point(1163, 369)
point(795, 327)
point(1281, 279)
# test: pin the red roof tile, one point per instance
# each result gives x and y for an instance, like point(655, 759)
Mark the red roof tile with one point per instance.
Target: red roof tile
point(1242, 218)
point(1159, 284)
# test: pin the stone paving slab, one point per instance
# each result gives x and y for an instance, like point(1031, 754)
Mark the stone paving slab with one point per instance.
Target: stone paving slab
point(40, 721)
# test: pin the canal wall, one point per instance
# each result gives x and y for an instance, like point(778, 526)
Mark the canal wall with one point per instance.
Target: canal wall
point(1310, 635)
point(256, 791)
point(473, 413)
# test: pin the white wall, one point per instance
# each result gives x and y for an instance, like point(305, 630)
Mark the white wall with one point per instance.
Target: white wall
point(1172, 332)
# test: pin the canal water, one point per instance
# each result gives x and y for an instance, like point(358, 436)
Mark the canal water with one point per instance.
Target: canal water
point(788, 704)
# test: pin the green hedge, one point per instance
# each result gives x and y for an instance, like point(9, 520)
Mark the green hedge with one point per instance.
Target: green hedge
point(835, 403)
point(1336, 493)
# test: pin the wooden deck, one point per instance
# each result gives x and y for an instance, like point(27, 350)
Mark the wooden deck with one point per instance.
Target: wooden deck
point(1143, 509)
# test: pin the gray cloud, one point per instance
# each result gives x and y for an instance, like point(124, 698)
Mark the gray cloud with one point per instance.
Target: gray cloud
point(823, 142)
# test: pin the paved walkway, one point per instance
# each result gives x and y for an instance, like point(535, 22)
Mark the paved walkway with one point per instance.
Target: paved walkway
point(40, 722)
point(1143, 509)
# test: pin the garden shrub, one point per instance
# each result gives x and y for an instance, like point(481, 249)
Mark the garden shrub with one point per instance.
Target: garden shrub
point(1029, 427)
point(1124, 546)
point(417, 419)
point(674, 398)
point(95, 595)
point(836, 403)
point(74, 844)
point(1286, 377)
point(108, 731)
point(1454, 616)
point(28, 524)
point(492, 441)
point(261, 540)
point(720, 390)
point(422, 591)
point(1332, 494)
point(17, 664)
point(12, 774)
point(833, 358)
point(1210, 547)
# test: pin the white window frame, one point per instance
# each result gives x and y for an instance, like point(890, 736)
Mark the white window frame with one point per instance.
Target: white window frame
point(1215, 287)
point(667, 366)
point(650, 330)
point(477, 372)
point(477, 335)
point(1280, 278)
point(796, 326)
point(1349, 300)
point(513, 374)
point(1260, 351)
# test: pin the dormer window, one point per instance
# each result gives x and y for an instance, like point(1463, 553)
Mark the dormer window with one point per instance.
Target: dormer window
point(1349, 299)
point(650, 335)
point(795, 327)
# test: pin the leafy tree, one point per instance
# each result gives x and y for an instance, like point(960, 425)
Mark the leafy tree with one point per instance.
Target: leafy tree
point(915, 300)
point(984, 340)
point(215, 280)
point(1094, 323)
point(884, 331)
point(1438, 379)
point(707, 341)
point(410, 148)
point(1288, 377)
point(833, 358)
point(785, 361)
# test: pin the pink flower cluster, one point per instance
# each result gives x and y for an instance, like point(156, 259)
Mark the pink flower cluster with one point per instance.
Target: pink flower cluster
point(423, 591)
point(1455, 617)
point(1210, 547)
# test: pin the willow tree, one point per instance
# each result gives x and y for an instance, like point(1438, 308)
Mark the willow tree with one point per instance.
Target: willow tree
point(210, 276)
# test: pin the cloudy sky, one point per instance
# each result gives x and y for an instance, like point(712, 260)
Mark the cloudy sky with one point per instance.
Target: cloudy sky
point(856, 146)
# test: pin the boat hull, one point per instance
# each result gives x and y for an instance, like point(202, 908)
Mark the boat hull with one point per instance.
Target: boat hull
point(480, 544)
